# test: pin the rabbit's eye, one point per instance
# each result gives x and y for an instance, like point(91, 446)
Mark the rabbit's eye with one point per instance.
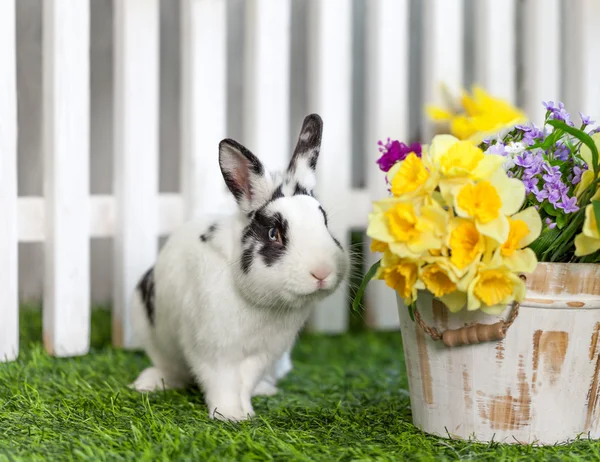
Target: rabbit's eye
point(273, 234)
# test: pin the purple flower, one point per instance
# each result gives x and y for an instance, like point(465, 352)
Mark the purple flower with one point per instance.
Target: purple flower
point(541, 195)
point(531, 134)
point(549, 223)
point(530, 185)
point(525, 160)
point(577, 175)
point(586, 120)
point(549, 105)
point(552, 175)
point(568, 204)
point(559, 113)
point(562, 151)
point(395, 151)
point(554, 197)
point(498, 149)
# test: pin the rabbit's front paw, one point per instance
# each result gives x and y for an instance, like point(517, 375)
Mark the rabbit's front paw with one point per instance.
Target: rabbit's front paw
point(229, 413)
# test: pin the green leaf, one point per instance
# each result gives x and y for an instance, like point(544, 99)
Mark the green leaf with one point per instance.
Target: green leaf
point(596, 206)
point(561, 221)
point(550, 210)
point(543, 242)
point(363, 285)
point(411, 311)
point(581, 136)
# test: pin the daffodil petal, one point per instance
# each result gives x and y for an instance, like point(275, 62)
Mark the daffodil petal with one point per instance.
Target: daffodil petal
point(440, 145)
point(586, 153)
point(427, 241)
point(454, 301)
point(488, 165)
point(586, 179)
point(494, 310)
point(512, 193)
point(496, 229)
point(585, 245)
point(522, 261)
point(531, 217)
point(437, 113)
point(590, 227)
point(378, 229)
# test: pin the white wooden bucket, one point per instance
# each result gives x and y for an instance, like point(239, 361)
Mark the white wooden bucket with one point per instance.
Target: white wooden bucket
point(539, 385)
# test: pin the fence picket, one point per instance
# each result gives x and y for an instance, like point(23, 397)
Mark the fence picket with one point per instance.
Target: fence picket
point(267, 81)
point(541, 63)
point(203, 104)
point(9, 303)
point(330, 79)
point(581, 70)
point(136, 153)
point(495, 41)
point(443, 52)
point(66, 26)
point(387, 116)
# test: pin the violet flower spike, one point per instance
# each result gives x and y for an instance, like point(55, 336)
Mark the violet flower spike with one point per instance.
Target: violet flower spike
point(549, 223)
point(586, 120)
point(395, 151)
point(569, 204)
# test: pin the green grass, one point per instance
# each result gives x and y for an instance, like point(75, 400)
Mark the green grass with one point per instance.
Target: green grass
point(345, 400)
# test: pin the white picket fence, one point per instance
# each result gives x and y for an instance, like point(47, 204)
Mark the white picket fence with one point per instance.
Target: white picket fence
point(539, 49)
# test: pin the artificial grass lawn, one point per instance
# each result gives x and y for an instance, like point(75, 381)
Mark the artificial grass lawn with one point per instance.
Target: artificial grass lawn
point(346, 399)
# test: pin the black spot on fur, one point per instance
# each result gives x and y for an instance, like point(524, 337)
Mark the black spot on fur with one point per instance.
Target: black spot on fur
point(273, 251)
point(257, 233)
point(313, 161)
point(146, 290)
point(247, 258)
point(301, 190)
point(208, 235)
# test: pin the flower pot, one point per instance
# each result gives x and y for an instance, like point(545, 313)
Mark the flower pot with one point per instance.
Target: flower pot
point(538, 385)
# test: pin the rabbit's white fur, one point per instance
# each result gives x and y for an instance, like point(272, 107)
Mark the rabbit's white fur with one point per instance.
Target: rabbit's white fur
point(224, 302)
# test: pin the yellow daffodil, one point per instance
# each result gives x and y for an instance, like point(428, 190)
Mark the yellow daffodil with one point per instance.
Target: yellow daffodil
point(589, 240)
point(377, 246)
point(408, 229)
point(481, 116)
point(399, 274)
point(493, 288)
point(413, 178)
point(438, 278)
point(588, 176)
point(524, 228)
point(466, 243)
point(460, 161)
point(488, 203)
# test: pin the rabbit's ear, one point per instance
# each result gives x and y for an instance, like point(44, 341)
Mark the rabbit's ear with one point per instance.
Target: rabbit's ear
point(304, 161)
point(244, 174)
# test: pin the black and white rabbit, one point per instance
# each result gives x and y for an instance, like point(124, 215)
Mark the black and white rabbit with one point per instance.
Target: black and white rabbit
point(225, 300)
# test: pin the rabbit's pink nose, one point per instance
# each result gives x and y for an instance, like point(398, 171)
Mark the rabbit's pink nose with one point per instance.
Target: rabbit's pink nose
point(321, 273)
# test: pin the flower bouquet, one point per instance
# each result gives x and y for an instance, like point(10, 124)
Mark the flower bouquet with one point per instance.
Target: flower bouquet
point(469, 217)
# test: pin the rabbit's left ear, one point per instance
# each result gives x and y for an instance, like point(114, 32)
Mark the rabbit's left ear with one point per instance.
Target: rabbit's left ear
point(304, 161)
point(244, 174)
